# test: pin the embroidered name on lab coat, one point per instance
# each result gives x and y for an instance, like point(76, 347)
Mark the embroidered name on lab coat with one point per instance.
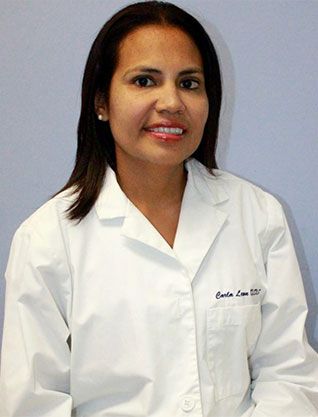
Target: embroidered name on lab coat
point(239, 293)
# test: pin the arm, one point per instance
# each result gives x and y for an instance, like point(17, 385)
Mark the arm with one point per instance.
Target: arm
point(35, 363)
point(284, 367)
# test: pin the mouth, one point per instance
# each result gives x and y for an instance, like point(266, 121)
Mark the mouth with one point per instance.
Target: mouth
point(166, 133)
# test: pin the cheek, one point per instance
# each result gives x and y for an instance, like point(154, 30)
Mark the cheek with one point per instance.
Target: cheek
point(202, 112)
point(129, 111)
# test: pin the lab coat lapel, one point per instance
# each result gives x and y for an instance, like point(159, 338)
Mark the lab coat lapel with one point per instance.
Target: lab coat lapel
point(136, 226)
point(113, 203)
point(201, 218)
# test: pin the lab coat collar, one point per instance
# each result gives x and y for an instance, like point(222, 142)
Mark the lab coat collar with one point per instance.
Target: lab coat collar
point(199, 223)
point(112, 202)
point(206, 185)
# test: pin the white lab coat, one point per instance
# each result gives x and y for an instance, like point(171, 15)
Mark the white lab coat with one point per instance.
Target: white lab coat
point(104, 319)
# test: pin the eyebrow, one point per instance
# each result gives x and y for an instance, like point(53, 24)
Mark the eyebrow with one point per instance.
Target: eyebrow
point(194, 70)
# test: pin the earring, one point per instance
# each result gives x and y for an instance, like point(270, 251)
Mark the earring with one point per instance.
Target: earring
point(100, 117)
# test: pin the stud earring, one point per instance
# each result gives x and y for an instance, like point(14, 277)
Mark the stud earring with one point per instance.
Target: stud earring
point(100, 117)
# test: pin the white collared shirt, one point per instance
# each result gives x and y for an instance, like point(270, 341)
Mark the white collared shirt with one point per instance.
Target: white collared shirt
point(104, 319)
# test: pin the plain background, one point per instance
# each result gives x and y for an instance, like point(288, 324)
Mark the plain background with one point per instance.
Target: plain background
point(269, 127)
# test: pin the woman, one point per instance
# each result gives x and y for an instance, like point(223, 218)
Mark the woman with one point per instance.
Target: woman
point(154, 284)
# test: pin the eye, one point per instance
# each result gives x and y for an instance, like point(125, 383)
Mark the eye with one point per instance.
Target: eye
point(190, 84)
point(143, 81)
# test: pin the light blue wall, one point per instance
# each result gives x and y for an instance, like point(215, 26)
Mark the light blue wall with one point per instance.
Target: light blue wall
point(269, 127)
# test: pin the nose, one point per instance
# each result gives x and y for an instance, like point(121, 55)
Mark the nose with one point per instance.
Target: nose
point(169, 99)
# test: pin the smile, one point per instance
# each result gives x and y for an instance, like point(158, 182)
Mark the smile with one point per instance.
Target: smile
point(168, 130)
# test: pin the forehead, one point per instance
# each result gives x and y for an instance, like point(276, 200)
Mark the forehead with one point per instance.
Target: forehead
point(154, 43)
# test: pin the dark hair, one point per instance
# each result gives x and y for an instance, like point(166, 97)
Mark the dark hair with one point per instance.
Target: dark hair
point(95, 147)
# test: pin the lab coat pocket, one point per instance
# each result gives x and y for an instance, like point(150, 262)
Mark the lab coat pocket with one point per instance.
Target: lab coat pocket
point(232, 333)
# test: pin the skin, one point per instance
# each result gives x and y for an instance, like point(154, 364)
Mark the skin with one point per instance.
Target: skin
point(150, 170)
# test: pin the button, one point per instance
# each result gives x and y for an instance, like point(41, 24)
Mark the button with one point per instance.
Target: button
point(187, 404)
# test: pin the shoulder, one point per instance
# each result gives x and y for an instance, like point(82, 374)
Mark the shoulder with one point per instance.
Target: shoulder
point(39, 256)
point(241, 199)
point(240, 191)
point(46, 224)
point(40, 244)
point(250, 209)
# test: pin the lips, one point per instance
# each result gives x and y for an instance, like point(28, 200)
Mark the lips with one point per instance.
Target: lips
point(167, 135)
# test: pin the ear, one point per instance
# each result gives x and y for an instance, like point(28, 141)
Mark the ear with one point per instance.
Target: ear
point(101, 107)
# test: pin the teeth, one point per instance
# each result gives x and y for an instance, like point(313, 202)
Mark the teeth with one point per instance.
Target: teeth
point(171, 130)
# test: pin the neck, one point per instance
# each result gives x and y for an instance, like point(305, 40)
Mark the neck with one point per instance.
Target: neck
point(153, 186)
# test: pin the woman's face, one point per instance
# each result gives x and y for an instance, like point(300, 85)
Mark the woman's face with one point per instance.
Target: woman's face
point(158, 105)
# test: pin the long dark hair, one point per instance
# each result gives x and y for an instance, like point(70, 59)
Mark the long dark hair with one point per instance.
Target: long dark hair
point(95, 143)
